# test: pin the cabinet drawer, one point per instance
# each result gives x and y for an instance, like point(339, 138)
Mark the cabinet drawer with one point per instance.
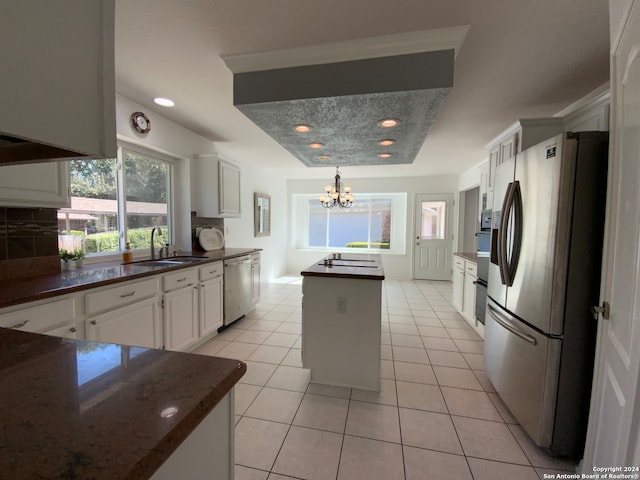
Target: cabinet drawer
point(471, 268)
point(458, 262)
point(119, 296)
point(42, 317)
point(211, 270)
point(180, 279)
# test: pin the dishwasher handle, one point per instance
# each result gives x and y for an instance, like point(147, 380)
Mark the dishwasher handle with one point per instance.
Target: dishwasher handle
point(237, 261)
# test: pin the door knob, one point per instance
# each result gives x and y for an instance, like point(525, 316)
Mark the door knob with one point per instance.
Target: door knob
point(604, 310)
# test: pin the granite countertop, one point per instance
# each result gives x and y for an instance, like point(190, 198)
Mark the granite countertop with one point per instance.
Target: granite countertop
point(74, 409)
point(349, 265)
point(38, 287)
point(472, 256)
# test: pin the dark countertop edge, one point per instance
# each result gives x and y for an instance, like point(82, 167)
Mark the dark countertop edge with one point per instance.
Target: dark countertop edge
point(317, 269)
point(342, 275)
point(146, 467)
point(468, 256)
point(35, 295)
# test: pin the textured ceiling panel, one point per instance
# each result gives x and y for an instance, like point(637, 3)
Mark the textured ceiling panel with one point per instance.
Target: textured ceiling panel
point(347, 125)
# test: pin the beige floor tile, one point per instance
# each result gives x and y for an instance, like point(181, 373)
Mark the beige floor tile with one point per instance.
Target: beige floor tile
point(489, 440)
point(329, 390)
point(374, 421)
point(475, 360)
point(309, 454)
point(252, 336)
point(403, 329)
point(275, 405)
point(257, 442)
point(258, 373)
point(293, 358)
point(385, 352)
point(469, 346)
point(420, 396)
point(362, 458)
point(470, 403)
point(212, 347)
point(538, 457)
point(246, 473)
point(290, 378)
point(237, 350)
point(272, 316)
point(298, 343)
point(456, 377)
point(423, 464)
point(439, 332)
point(269, 354)
point(410, 355)
point(402, 340)
point(483, 378)
point(323, 413)
point(502, 408)
point(415, 372)
point(386, 370)
point(265, 325)
point(229, 334)
point(400, 319)
point(244, 395)
point(283, 308)
point(436, 343)
point(289, 327)
point(385, 338)
point(281, 339)
point(386, 395)
point(427, 321)
point(430, 430)
point(445, 358)
point(488, 470)
point(463, 334)
point(449, 323)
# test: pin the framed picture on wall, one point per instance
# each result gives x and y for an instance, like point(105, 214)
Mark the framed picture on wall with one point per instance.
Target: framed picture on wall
point(261, 214)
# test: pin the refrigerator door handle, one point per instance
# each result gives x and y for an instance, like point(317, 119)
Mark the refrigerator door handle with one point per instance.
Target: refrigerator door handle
point(507, 324)
point(516, 203)
point(502, 235)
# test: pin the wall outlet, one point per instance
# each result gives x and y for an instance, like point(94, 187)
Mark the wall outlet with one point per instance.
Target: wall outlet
point(341, 305)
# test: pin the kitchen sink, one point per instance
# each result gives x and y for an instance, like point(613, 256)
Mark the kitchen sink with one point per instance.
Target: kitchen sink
point(166, 262)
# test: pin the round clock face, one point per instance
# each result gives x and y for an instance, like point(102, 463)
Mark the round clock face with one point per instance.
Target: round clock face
point(140, 122)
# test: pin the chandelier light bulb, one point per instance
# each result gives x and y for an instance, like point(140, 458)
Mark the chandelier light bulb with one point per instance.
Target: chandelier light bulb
point(347, 188)
point(337, 194)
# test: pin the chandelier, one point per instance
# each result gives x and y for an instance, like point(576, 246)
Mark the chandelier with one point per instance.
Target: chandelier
point(335, 195)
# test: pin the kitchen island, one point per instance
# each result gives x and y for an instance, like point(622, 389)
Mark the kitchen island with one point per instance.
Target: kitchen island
point(341, 320)
point(76, 409)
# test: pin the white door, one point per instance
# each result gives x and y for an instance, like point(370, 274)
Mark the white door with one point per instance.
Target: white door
point(433, 241)
point(613, 434)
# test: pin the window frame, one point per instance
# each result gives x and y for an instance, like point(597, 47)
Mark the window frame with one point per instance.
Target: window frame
point(398, 237)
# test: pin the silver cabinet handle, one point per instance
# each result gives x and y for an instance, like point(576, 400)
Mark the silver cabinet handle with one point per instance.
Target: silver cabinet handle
point(181, 279)
point(130, 294)
point(21, 324)
point(93, 322)
point(73, 330)
point(496, 316)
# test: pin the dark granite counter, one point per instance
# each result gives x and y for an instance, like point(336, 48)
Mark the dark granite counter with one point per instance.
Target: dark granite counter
point(81, 410)
point(468, 256)
point(366, 267)
point(28, 289)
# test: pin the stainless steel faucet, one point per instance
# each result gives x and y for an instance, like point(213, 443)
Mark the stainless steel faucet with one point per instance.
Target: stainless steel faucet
point(153, 231)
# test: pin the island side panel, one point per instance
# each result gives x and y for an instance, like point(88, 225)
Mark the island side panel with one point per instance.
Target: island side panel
point(341, 323)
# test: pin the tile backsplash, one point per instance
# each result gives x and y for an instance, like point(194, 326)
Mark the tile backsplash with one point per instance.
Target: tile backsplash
point(28, 241)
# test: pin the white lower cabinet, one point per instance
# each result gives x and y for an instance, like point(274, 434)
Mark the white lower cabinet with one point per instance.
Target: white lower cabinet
point(135, 324)
point(211, 293)
point(465, 274)
point(469, 297)
point(180, 318)
point(255, 279)
point(58, 317)
point(458, 283)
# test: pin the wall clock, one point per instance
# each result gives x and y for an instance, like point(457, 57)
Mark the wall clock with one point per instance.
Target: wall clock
point(140, 122)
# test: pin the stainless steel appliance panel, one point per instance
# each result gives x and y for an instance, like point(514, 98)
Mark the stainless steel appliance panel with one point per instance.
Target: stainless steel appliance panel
point(237, 288)
point(538, 170)
point(522, 365)
point(503, 177)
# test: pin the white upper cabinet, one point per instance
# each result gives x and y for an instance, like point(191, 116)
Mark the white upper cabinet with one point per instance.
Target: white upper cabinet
point(58, 85)
point(35, 185)
point(215, 187)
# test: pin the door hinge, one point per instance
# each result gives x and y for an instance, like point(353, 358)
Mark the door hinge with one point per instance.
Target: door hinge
point(162, 303)
point(604, 310)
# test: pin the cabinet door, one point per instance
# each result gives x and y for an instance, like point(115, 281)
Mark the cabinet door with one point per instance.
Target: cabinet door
point(229, 189)
point(255, 283)
point(70, 330)
point(494, 158)
point(136, 324)
point(180, 318)
point(469, 298)
point(458, 288)
point(35, 185)
point(210, 306)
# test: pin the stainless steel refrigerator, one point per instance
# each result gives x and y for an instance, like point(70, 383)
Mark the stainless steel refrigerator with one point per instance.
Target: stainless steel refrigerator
point(544, 276)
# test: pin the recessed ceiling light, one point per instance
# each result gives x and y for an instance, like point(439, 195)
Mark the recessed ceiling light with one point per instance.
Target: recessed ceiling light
point(164, 102)
point(324, 158)
point(388, 122)
point(316, 145)
point(302, 128)
point(384, 155)
point(386, 142)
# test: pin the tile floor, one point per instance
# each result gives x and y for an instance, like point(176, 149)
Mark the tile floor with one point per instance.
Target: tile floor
point(436, 415)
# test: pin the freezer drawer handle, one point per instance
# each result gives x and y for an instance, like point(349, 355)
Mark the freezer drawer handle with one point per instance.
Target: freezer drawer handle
point(496, 316)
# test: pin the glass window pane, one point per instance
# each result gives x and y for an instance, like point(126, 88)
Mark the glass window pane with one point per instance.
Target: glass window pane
point(433, 220)
point(146, 182)
point(91, 223)
point(317, 224)
point(350, 228)
point(381, 223)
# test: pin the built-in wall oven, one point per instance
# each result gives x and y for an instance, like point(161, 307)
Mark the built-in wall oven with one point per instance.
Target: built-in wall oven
point(483, 250)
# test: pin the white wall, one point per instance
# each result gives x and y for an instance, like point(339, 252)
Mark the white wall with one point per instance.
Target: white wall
point(395, 266)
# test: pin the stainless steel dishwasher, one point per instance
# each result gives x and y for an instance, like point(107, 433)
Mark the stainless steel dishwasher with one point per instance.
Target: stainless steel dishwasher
point(237, 288)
